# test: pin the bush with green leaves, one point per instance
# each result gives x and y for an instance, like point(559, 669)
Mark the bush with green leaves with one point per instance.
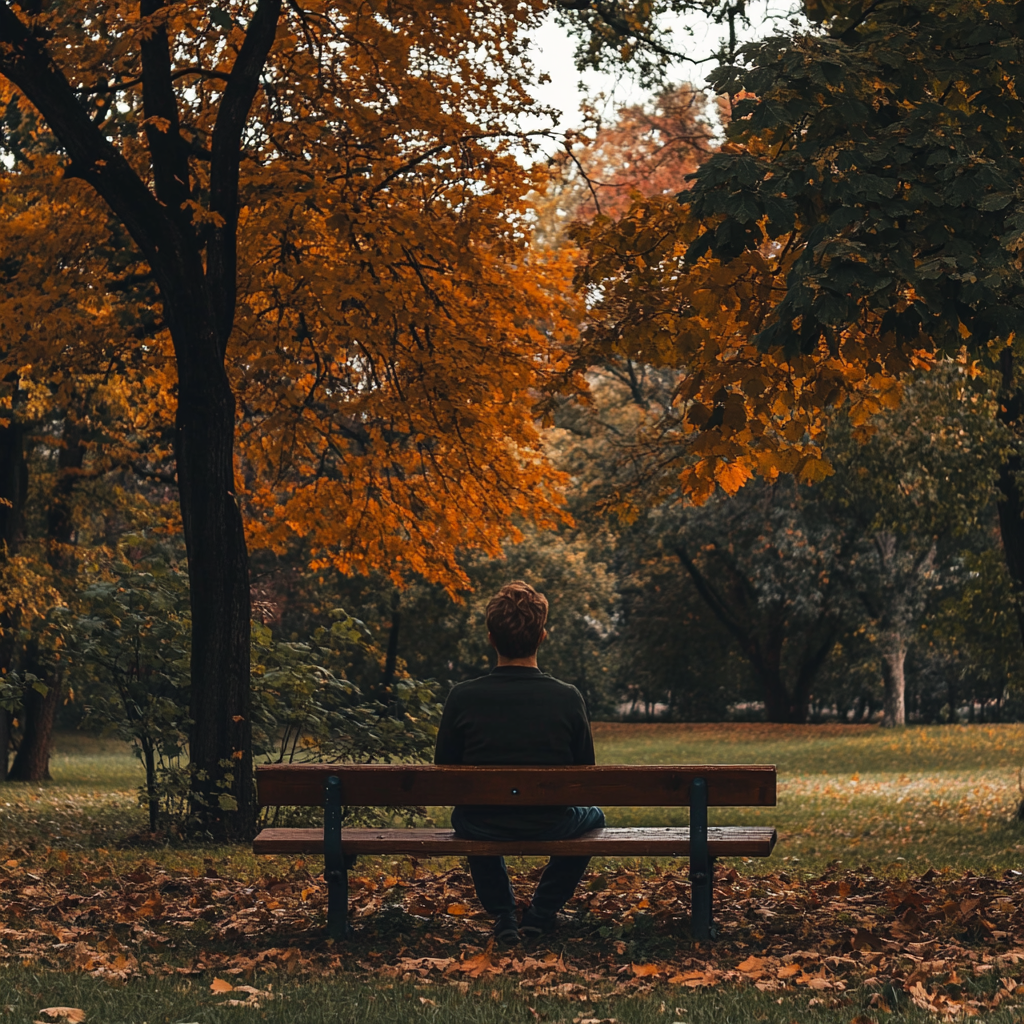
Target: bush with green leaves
point(306, 709)
point(130, 651)
point(128, 646)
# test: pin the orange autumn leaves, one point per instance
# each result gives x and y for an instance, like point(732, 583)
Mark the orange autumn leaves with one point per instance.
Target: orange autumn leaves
point(394, 333)
point(736, 411)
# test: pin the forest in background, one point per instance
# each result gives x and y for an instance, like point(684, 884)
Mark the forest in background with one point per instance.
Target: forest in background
point(451, 367)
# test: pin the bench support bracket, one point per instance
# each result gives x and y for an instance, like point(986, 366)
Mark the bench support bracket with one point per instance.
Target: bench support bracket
point(702, 866)
point(335, 867)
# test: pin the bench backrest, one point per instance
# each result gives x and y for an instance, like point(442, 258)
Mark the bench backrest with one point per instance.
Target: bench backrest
point(377, 785)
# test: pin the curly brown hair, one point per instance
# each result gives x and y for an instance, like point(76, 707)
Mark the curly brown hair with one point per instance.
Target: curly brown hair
point(515, 619)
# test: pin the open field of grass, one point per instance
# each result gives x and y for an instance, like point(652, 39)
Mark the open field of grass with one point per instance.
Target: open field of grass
point(900, 802)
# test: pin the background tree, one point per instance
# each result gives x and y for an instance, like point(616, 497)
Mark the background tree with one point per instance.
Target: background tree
point(882, 151)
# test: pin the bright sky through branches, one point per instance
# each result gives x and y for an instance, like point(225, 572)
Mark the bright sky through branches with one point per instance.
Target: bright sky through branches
point(696, 36)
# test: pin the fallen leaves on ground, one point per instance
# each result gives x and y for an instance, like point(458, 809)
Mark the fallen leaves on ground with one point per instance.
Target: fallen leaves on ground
point(949, 944)
point(71, 1014)
point(254, 997)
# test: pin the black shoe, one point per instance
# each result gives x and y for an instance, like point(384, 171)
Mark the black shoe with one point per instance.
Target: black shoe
point(534, 925)
point(506, 931)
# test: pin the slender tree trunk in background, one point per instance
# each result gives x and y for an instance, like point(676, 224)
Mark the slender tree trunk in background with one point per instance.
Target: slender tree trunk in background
point(153, 801)
point(13, 494)
point(893, 658)
point(5, 743)
point(32, 762)
point(1011, 505)
point(61, 532)
point(767, 666)
point(391, 660)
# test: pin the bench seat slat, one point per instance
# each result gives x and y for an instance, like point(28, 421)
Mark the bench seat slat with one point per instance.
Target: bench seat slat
point(302, 785)
point(726, 841)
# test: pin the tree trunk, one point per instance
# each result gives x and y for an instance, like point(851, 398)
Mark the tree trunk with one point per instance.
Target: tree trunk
point(61, 530)
point(767, 666)
point(893, 658)
point(13, 493)
point(220, 736)
point(1011, 506)
point(391, 660)
point(32, 762)
point(5, 742)
point(151, 797)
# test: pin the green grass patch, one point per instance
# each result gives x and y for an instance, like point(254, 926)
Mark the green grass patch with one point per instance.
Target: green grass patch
point(898, 801)
point(344, 999)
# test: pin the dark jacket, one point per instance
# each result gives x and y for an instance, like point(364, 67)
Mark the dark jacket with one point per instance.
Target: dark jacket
point(515, 715)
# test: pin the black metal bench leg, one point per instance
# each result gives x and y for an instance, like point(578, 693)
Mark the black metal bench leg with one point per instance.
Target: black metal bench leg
point(335, 866)
point(701, 865)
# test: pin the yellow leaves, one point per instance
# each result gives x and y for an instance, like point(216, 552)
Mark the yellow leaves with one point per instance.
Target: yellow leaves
point(738, 410)
point(731, 476)
point(695, 979)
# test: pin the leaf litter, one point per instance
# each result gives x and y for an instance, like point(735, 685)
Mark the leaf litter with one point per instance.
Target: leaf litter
point(950, 944)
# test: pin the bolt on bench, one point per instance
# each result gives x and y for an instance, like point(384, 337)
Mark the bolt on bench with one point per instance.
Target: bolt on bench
point(334, 786)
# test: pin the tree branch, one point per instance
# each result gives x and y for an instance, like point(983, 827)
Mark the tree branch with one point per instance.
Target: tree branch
point(225, 159)
point(24, 60)
point(713, 600)
point(167, 150)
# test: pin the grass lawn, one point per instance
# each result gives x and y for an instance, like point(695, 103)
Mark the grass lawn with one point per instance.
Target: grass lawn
point(896, 803)
point(899, 801)
point(348, 1001)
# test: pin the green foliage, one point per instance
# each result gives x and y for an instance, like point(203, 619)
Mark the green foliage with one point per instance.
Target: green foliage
point(306, 709)
point(887, 149)
point(130, 650)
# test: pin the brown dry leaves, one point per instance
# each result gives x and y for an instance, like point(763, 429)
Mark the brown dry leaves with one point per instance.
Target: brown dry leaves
point(951, 945)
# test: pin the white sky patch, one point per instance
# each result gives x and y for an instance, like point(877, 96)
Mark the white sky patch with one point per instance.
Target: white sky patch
point(698, 37)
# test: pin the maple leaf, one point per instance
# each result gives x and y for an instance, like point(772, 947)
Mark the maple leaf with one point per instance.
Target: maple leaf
point(646, 970)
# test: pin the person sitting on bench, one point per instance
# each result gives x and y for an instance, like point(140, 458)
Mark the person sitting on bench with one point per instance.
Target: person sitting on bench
point(519, 715)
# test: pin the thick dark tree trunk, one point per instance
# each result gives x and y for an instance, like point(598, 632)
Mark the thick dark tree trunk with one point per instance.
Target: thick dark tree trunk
point(220, 739)
point(32, 762)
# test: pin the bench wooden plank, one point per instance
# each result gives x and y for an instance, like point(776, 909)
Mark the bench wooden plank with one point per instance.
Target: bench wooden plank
point(727, 841)
point(302, 785)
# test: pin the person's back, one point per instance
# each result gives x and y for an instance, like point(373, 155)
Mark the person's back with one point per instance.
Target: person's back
point(515, 715)
point(518, 714)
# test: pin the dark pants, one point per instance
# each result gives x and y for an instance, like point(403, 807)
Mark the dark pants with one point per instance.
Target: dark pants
point(560, 878)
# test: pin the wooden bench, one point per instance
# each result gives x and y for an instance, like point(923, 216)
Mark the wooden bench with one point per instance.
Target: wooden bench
point(334, 786)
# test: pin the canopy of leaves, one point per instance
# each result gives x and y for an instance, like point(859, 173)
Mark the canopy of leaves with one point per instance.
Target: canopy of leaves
point(885, 151)
point(392, 328)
